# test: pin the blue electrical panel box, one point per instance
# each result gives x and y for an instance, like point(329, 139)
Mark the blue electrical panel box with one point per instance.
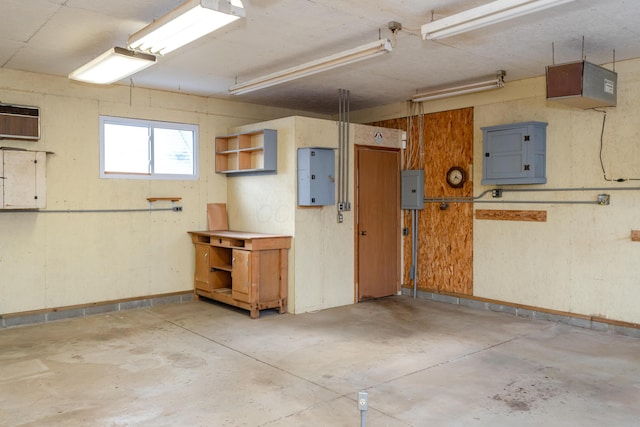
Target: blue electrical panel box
point(514, 153)
point(316, 176)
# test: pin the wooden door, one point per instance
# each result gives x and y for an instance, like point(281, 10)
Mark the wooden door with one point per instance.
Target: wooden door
point(241, 275)
point(445, 236)
point(378, 222)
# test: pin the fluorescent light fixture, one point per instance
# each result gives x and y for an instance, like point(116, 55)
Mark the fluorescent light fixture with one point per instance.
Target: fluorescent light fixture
point(186, 23)
point(113, 65)
point(496, 83)
point(481, 16)
point(361, 53)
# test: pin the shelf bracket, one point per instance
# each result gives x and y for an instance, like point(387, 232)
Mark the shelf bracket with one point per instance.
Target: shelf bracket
point(173, 200)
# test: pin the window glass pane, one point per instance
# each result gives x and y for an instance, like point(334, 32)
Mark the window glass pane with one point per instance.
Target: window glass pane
point(126, 148)
point(147, 149)
point(173, 151)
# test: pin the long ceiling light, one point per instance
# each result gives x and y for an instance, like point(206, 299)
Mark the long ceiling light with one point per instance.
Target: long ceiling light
point(496, 83)
point(481, 16)
point(113, 65)
point(186, 23)
point(366, 51)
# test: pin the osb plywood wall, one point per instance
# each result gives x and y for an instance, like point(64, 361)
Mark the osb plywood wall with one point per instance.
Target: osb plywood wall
point(435, 143)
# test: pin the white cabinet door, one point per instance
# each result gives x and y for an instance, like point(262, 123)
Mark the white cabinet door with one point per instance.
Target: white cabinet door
point(2, 179)
point(24, 179)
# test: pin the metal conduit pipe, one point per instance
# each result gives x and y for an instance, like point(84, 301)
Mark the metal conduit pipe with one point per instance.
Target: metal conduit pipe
point(533, 190)
point(515, 202)
point(477, 199)
point(347, 205)
point(413, 274)
point(174, 209)
point(343, 153)
point(340, 139)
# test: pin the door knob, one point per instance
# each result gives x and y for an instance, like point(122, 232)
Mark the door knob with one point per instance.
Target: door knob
point(363, 233)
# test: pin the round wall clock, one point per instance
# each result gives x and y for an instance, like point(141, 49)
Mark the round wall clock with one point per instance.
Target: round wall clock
point(456, 177)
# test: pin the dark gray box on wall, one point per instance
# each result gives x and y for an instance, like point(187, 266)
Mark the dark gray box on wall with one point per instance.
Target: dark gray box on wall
point(316, 176)
point(412, 192)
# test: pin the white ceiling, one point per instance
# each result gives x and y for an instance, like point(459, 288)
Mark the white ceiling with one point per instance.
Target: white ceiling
point(57, 36)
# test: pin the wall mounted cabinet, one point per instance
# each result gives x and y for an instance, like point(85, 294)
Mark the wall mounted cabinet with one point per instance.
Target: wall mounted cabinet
point(23, 179)
point(248, 153)
point(514, 153)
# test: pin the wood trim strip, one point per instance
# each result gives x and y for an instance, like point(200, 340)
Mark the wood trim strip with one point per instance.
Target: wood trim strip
point(539, 309)
point(92, 304)
point(512, 215)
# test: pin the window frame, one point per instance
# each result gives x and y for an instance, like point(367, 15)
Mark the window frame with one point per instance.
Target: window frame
point(150, 124)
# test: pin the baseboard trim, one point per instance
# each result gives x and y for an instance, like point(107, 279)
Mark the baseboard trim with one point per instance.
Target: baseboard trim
point(46, 315)
point(530, 312)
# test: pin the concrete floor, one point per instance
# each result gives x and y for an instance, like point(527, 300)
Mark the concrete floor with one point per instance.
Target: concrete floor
point(423, 363)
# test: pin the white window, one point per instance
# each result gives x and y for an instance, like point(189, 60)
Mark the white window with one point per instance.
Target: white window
point(145, 149)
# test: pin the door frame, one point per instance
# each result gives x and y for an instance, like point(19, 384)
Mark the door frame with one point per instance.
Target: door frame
point(356, 224)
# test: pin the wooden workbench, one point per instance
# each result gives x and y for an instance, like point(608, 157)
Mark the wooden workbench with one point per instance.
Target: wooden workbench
point(243, 269)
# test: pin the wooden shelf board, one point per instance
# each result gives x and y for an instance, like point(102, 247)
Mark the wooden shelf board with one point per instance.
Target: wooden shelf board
point(241, 150)
point(244, 170)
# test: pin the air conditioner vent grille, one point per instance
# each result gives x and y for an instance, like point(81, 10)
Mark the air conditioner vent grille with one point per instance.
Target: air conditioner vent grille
point(19, 122)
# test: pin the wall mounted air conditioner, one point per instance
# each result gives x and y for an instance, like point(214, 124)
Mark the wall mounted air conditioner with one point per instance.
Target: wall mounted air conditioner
point(19, 122)
point(582, 84)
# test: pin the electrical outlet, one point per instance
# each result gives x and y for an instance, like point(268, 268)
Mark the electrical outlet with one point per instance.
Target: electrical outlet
point(177, 208)
point(340, 218)
point(405, 231)
point(496, 193)
point(363, 400)
point(604, 199)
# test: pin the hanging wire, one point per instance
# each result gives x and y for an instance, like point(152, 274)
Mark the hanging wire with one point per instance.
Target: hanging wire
point(421, 132)
point(604, 120)
point(604, 172)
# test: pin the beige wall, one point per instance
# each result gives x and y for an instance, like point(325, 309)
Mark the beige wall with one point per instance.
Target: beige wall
point(52, 260)
point(582, 259)
point(321, 260)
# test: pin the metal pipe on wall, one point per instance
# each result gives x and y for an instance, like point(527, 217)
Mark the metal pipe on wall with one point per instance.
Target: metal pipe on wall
point(476, 199)
point(413, 273)
point(340, 139)
point(343, 153)
point(347, 206)
point(174, 209)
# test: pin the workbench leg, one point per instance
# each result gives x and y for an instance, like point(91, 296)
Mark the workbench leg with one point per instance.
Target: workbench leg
point(254, 313)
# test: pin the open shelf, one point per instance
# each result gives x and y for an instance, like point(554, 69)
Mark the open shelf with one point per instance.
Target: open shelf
point(247, 153)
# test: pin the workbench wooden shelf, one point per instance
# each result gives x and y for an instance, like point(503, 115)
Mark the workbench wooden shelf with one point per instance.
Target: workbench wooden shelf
point(246, 270)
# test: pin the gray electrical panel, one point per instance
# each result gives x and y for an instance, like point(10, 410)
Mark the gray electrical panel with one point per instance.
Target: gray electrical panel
point(316, 176)
point(514, 153)
point(412, 192)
